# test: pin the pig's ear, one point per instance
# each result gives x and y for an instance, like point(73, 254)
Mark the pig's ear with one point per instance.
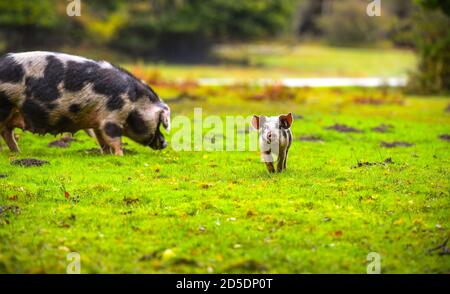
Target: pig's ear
point(256, 122)
point(164, 118)
point(286, 120)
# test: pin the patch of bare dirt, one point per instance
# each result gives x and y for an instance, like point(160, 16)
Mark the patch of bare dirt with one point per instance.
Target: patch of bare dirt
point(383, 128)
point(310, 138)
point(368, 100)
point(64, 142)
point(58, 143)
point(68, 139)
point(445, 137)
point(367, 163)
point(29, 162)
point(343, 129)
point(395, 144)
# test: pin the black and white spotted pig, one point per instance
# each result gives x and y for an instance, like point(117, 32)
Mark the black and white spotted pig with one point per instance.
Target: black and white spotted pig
point(275, 138)
point(46, 92)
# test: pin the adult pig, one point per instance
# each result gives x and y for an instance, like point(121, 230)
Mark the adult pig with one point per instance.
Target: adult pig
point(47, 92)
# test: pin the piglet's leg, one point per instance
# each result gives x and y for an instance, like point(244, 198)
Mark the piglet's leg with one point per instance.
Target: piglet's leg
point(285, 159)
point(8, 135)
point(268, 160)
point(281, 163)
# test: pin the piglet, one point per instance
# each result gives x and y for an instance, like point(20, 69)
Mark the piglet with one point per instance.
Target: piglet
point(275, 138)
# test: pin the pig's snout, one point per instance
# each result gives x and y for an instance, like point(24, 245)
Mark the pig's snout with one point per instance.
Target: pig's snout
point(158, 141)
point(271, 136)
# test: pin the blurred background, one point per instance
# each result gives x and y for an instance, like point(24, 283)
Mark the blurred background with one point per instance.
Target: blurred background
point(259, 38)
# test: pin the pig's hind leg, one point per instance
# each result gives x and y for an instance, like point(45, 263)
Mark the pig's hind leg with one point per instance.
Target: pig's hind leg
point(7, 130)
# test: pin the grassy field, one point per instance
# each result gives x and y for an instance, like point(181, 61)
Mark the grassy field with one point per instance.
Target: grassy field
point(248, 62)
point(197, 212)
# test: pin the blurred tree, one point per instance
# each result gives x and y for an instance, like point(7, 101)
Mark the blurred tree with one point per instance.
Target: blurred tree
point(166, 28)
point(443, 5)
point(401, 22)
point(102, 20)
point(185, 29)
point(346, 23)
point(432, 38)
point(23, 23)
point(308, 13)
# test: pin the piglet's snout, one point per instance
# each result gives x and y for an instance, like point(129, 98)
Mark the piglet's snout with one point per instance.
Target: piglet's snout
point(271, 136)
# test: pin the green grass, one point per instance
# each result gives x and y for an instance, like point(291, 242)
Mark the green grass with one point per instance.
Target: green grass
point(197, 212)
point(281, 61)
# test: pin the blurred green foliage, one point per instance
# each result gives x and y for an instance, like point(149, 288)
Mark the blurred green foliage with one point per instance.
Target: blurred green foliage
point(432, 40)
point(346, 23)
point(444, 5)
point(186, 30)
point(19, 13)
point(145, 28)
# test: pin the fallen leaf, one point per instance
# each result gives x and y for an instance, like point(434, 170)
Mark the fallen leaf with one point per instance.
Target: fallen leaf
point(338, 234)
point(13, 197)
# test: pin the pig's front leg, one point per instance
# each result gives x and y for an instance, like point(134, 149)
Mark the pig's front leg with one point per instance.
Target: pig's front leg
point(281, 163)
point(110, 137)
point(8, 135)
point(102, 142)
point(268, 160)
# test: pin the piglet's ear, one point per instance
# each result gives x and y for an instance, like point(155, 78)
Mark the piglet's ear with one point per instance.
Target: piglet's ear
point(286, 120)
point(255, 122)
